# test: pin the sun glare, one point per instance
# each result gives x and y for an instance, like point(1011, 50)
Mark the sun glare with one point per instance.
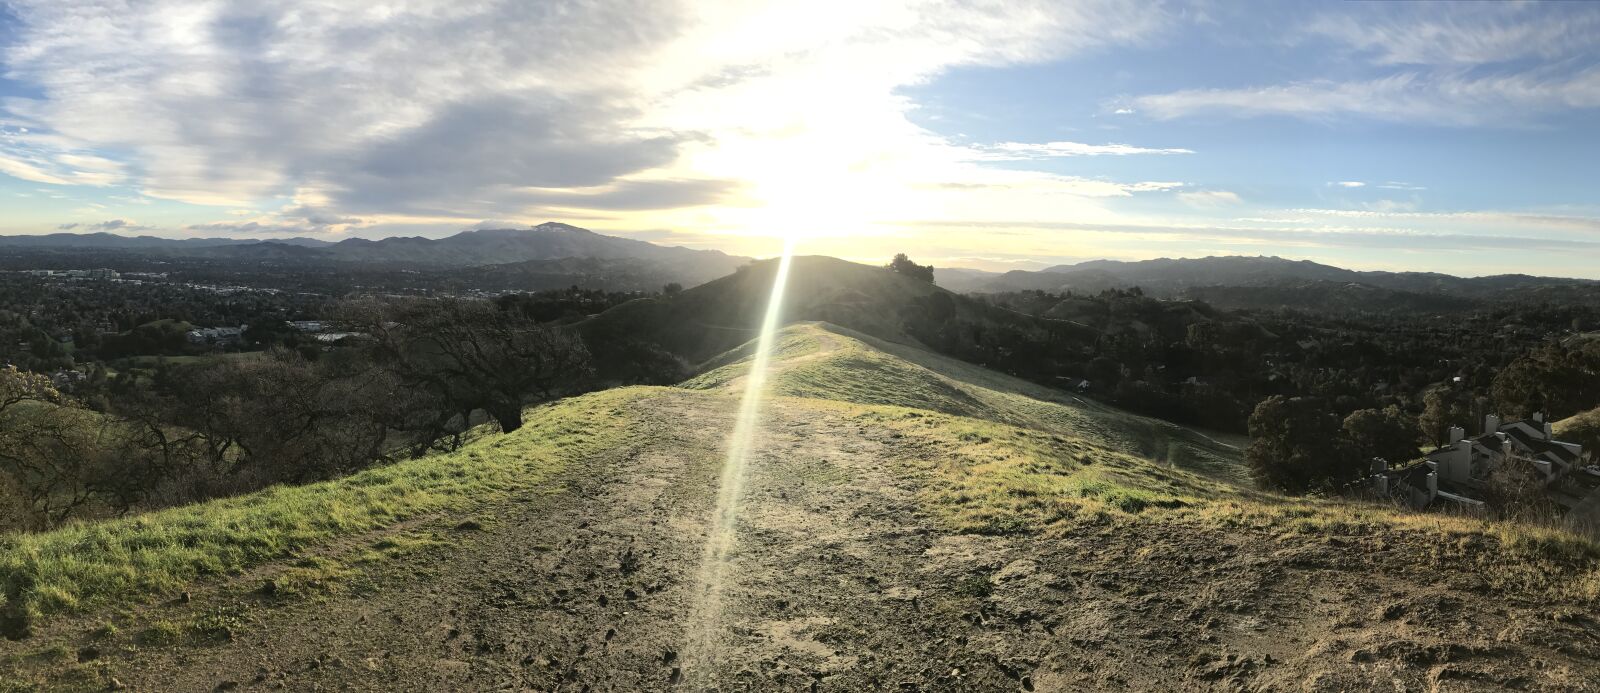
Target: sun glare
point(705, 624)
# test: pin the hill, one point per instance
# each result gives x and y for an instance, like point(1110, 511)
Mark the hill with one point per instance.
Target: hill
point(906, 521)
point(709, 319)
point(538, 250)
point(1302, 284)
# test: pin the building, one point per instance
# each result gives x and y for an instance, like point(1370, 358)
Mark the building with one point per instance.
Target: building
point(217, 335)
point(1457, 472)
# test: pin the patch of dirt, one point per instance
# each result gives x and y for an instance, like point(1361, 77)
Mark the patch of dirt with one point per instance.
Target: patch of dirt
point(840, 581)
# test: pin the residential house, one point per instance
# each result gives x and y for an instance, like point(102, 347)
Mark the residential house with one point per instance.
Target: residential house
point(1457, 472)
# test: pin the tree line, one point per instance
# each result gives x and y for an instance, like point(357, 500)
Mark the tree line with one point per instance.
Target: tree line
point(419, 376)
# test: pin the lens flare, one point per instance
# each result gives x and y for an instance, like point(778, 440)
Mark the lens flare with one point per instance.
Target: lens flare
point(716, 562)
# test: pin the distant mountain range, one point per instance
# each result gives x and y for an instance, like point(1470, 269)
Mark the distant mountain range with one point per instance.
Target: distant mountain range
point(555, 255)
point(1277, 282)
point(550, 254)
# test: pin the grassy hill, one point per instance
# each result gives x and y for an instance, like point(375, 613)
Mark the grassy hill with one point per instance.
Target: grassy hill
point(908, 520)
point(710, 319)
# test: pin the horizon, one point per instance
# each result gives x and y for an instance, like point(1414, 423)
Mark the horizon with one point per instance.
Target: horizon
point(1455, 138)
point(847, 258)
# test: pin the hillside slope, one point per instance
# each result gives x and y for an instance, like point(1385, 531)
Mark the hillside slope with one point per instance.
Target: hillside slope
point(712, 318)
point(908, 522)
point(1227, 281)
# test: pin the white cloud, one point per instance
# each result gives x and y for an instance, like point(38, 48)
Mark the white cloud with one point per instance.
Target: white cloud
point(450, 112)
point(1398, 185)
point(108, 225)
point(1207, 199)
point(1466, 34)
point(29, 172)
point(1026, 150)
point(1348, 183)
point(1450, 99)
point(1387, 205)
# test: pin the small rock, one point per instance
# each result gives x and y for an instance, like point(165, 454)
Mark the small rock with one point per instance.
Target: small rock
point(469, 526)
point(227, 686)
point(630, 594)
point(116, 685)
point(269, 587)
point(185, 598)
point(89, 654)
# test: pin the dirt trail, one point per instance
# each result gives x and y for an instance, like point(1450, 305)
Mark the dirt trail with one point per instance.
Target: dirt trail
point(839, 580)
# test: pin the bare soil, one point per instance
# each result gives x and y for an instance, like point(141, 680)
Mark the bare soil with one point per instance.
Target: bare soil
point(841, 581)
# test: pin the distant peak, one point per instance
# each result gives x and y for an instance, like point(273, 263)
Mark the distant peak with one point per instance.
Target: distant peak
point(558, 226)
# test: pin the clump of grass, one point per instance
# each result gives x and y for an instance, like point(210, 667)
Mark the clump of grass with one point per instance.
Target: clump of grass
point(222, 623)
point(161, 633)
point(313, 574)
point(53, 654)
point(392, 547)
point(975, 586)
point(83, 566)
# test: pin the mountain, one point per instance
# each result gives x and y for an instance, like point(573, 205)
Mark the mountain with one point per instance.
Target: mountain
point(905, 521)
point(962, 280)
point(1199, 277)
point(546, 254)
point(109, 241)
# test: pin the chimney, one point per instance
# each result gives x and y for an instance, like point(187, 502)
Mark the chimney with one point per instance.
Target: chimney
point(1379, 465)
point(1433, 485)
point(1491, 423)
point(1456, 434)
point(1538, 417)
point(1380, 483)
point(1461, 465)
point(1549, 431)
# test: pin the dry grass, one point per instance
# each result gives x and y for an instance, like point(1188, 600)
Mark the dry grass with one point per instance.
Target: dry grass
point(1001, 456)
point(83, 566)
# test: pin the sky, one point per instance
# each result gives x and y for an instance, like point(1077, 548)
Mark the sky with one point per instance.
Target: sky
point(994, 134)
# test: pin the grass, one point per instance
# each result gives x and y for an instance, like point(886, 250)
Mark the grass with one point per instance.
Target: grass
point(864, 370)
point(1003, 456)
point(80, 567)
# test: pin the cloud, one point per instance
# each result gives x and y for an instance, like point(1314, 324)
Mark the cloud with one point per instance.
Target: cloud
point(1058, 185)
point(1397, 185)
point(256, 227)
point(108, 225)
point(1317, 236)
point(639, 194)
point(1467, 34)
point(33, 156)
point(443, 112)
point(1387, 205)
point(1347, 184)
point(1461, 99)
point(1016, 151)
point(29, 172)
point(1207, 199)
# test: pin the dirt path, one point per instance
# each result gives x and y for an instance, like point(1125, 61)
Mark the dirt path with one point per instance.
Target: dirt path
point(840, 581)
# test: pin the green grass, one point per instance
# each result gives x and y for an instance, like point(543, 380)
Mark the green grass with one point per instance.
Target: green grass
point(998, 455)
point(864, 370)
point(84, 566)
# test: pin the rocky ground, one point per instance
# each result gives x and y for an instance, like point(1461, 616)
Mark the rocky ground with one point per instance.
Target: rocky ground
point(839, 580)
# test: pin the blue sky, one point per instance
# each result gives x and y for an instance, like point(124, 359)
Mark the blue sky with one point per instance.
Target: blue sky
point(1462, 138)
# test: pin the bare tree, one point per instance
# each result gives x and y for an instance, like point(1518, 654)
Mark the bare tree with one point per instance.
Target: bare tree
point(471, 354)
